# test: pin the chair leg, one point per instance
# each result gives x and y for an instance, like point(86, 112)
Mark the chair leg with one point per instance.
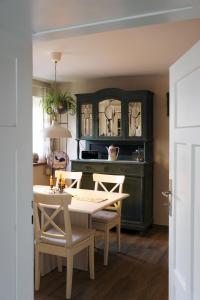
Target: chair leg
point(106, 246)
point(91, 258)
point(118, 237)
point(69, 276)
point(59, 263)
point(37, 269)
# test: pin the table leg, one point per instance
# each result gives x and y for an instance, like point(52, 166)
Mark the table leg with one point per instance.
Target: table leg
point(89, 221)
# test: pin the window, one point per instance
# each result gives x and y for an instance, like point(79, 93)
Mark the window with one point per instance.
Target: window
point(38, 124)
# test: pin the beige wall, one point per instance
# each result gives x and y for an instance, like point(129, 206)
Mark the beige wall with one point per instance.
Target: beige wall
point(158, 84)
point(39, 175)
point(38, 87)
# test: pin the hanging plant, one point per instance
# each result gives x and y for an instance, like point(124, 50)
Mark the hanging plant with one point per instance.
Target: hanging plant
point(57, 102)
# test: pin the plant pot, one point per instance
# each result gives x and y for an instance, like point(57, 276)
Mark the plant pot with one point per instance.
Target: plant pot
point(61, 109)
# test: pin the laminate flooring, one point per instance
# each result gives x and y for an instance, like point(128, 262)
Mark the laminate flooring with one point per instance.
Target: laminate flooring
point(139, 272)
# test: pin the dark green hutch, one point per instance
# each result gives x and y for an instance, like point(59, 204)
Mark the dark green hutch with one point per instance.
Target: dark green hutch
point(124, 119)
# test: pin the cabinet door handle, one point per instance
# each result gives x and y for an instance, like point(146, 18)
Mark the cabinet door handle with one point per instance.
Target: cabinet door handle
point(88, 169)
point(123, 170)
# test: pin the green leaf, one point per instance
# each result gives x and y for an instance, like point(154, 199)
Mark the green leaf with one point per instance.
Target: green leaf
point(54, 100)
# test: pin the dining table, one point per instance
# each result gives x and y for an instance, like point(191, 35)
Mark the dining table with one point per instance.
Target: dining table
point(84, 203)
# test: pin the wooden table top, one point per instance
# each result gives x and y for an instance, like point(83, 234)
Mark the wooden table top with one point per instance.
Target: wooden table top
point(86, 201)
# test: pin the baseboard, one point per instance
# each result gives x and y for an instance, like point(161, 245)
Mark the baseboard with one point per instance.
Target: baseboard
point(161, 227)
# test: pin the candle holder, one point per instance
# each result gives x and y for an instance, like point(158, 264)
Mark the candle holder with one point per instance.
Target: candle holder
point(51, 182)
point(61, 189)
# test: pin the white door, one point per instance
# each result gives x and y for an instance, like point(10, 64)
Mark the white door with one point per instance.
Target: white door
point(184, 244)
point(16, 237)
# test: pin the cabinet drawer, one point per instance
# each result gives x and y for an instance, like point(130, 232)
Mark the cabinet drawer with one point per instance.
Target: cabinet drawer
point(109, 168)
point(88, 167)
point(125, 169)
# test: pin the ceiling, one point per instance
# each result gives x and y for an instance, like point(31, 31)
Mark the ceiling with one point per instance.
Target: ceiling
point(111, 38)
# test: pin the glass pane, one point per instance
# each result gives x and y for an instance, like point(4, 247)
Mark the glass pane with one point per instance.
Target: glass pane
point(110, 117)
point(86, 120)
point(135, 118)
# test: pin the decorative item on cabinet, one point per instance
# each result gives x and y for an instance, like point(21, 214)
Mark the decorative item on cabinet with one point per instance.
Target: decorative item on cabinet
point(112, 152)
point(109, 118)
point(86, 120)
point(135, 121)
point(139, 154)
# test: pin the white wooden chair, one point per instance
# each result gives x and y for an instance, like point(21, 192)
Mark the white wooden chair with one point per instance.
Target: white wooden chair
point(109, 218)
point(52, 238)
point(72, 179)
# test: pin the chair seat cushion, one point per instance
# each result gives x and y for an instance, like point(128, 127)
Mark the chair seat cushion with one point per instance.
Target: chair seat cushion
point(78, 234)
point(105, 216)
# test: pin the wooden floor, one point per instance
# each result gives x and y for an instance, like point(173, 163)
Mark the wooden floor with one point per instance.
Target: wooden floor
point(139, 272)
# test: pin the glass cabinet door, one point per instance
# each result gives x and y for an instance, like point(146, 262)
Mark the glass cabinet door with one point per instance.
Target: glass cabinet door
point(109, 111)
point(86, 120)
point(135, 118)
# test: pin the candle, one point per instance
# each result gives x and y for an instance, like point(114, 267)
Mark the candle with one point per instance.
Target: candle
point(51, 182)
point(60, 183)
point(63, 182)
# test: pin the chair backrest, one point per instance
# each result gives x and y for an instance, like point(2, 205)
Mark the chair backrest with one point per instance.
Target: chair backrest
point(46, 208)
point(117, 180)
point(102, 180)
point(72, 179)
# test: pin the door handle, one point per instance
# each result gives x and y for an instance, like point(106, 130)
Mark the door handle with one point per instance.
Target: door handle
point(166, 194)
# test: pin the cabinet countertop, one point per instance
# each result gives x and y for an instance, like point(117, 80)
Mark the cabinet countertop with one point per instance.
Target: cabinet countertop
point(111, 162)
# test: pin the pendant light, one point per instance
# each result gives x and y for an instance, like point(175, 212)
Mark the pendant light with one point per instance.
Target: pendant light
point(55, 130)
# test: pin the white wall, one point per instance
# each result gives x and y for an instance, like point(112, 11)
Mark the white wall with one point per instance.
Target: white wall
point(158, 84)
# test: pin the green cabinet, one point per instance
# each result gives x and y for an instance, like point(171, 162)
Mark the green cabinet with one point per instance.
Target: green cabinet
point(137, 212)
point(132, 210)
point(114, 114)
point(124, 119)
